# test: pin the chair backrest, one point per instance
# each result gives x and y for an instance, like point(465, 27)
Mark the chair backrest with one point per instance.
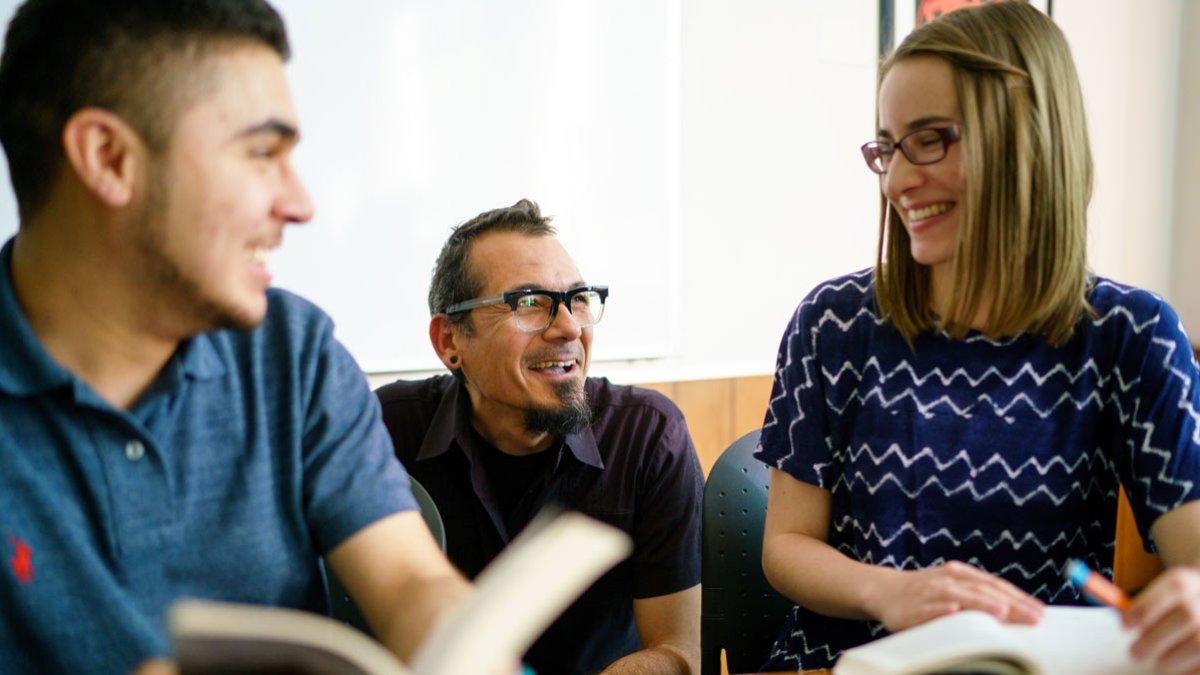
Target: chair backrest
point(340, 605)
point(740, 612)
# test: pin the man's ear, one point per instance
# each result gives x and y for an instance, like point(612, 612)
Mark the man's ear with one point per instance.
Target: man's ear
point(445, 338)
point(105, 153)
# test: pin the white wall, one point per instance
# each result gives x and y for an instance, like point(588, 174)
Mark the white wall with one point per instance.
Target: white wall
point(1185, 262)
point(774, 198)
point(777, 95)
point(1127, 56)
point(743, 77)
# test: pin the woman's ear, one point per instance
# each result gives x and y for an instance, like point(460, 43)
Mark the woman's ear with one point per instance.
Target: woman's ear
point(105, 153)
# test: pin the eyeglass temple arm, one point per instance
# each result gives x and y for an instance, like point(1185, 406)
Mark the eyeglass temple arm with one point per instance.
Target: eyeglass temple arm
point(472, 304)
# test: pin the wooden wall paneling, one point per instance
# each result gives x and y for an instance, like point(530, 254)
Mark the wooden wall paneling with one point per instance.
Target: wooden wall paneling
point(706, 407)
point(750, 397)
point(665, 388)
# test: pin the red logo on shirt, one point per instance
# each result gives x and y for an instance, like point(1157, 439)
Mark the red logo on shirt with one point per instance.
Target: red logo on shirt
point(22, 560)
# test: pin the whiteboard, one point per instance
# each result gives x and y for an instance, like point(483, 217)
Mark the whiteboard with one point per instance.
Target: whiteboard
point(417, 115)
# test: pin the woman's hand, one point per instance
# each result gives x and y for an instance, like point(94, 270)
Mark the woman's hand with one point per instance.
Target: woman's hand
point(908, 598)
point(1167, 618)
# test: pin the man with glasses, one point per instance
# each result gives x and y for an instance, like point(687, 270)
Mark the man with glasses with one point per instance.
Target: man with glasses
point(518, 425)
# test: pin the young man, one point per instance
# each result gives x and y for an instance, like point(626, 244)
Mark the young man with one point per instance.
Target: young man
point(169, 426)
point(520, 425)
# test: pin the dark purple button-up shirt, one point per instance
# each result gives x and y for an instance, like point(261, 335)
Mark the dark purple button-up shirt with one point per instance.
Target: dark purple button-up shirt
point(634, 467)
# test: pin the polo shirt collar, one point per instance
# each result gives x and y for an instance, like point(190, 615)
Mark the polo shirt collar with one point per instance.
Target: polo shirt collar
point(199, 359)
point(26, 368)
point(452, 420)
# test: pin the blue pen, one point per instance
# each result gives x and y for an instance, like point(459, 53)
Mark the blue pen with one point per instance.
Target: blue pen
point(1094, 586)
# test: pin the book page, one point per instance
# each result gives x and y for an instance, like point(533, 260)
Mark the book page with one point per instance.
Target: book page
point(955, 639)
point(520, 593)
point(516, 597)
point(1067, 641)
point(1081, 641)
point(220, 637)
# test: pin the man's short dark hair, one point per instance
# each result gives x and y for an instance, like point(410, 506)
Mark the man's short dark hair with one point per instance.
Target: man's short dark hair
point(453, 280)
point(126, 56)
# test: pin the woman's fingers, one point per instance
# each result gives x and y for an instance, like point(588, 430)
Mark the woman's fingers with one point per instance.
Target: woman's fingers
point(937, 591)
point(1022, 607)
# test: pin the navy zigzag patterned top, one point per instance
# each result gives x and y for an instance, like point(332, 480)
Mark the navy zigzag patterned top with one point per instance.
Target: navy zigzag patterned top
point(1004, 454)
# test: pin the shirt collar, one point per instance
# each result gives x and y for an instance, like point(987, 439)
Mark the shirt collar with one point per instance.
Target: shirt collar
point(199, 358)
point(26, 368)
point(452, 418)
point(583, 445)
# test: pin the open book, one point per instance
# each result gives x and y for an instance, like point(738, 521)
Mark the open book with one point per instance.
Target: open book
point(1067, 641)
point(516, 597)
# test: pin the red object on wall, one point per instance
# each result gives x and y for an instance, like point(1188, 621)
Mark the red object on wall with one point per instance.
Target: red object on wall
point(928, 10)
point(22, 560)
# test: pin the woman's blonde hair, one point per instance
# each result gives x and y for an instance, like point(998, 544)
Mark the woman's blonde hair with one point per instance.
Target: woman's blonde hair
point(1021, 252)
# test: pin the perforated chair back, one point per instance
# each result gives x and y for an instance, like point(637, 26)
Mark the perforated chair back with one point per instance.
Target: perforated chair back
point(340, 605)
point(740, 612)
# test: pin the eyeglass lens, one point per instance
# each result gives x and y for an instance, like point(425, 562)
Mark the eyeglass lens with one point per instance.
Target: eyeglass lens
point(924, 146)
point(533, 310)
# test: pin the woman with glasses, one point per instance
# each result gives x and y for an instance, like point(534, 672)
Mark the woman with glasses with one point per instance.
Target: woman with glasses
point(949, 428)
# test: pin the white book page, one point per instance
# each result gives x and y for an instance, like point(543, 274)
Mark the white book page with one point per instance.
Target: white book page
point(520, 593)
point(1080, 640)
point(200, 620)
point(1067, 641)
point(959, 637)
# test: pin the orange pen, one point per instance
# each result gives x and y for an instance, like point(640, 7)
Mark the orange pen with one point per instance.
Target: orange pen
point(1094, 586)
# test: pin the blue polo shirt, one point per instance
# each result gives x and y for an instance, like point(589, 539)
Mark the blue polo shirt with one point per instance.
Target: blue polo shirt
point(253, 453)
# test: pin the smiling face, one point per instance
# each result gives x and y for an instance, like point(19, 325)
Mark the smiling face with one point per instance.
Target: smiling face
point(510, 373)
point(919, 93)
point(219, 196)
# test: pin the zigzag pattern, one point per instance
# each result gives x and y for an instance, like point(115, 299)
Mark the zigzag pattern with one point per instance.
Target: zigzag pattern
point(996, 459)
point(978, 426)
point(1005, 539)
point(1185, 402)
point(825, 649)
point(978, 495)
point(1001, 410)
point(1050, 568)
point(1026, 370)
point(837, 285)
point(1125, 290)
point(844, 324)
point(1182, 485)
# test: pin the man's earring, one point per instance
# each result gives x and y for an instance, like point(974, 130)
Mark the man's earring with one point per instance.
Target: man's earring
point(453, 360)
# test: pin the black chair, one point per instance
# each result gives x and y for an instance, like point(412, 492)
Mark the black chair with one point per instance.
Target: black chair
point(740, 612)
point(340, 605)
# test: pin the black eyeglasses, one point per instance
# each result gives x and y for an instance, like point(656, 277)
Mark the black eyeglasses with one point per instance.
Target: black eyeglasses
point(535, 308)
point(923, 146)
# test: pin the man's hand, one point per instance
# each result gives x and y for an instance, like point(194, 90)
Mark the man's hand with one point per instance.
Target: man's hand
point(1167, 618)
point(400, 580)
point(669, 628)
point(156, 667)
point(914, 597)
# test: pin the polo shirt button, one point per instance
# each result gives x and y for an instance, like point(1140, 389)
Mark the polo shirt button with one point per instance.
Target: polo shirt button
point(134, 450)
